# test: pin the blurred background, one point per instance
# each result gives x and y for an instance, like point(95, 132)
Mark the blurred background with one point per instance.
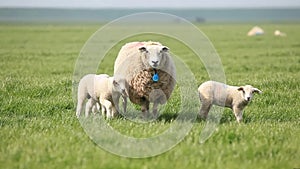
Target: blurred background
point(107, 10)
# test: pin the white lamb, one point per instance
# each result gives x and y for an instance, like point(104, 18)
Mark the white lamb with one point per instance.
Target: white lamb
point(236, 98)
point(149, 71)
point(103, 90)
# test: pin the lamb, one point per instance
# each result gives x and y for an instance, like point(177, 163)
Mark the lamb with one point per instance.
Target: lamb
point(236, 98)
point(103, 90)
point(149, 71)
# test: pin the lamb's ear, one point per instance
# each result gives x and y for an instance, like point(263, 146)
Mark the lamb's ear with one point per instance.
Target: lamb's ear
point(241, 88)
point(115, 82)
point(164, 49)
point(256, 90)
point(143, 49)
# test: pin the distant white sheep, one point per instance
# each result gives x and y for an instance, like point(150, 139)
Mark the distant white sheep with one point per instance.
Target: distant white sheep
point(236, 98)
point(103, 90)
point(149, 71)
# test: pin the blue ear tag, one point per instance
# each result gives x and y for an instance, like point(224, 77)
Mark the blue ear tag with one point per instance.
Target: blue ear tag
point(155, 77)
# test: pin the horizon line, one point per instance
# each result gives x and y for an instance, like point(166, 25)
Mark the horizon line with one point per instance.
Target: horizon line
point(143, 8)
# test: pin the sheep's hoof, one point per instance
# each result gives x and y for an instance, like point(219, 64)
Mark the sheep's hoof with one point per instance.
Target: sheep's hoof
point(239, 121)
point(202, 116)
point(155, 114)
point(117, 115)
point(147, 117)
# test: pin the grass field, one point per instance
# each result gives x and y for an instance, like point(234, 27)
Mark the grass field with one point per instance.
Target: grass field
point(38, 127)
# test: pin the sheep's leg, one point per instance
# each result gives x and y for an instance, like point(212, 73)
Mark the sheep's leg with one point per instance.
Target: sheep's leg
point(238, 114)
point(98, 106)
point(116, 98)
point(79, 108)
point(88, 106)
point(103, 110)
point(145, 108)
point(124, 104)
point(205, 107)
point(108, 106)
point(114, 112)
point(95, 108)
point(155, 105)
point(80, 101)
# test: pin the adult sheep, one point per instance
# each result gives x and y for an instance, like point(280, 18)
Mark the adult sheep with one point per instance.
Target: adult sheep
point(149, 71)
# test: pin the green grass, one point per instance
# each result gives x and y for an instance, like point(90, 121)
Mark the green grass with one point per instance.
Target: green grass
point(38, 127)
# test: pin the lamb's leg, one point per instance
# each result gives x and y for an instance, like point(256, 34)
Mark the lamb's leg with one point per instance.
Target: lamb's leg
point(103, 110)
point(238, 114)
point(80, 101)
point(116, 98)
point(79, 108)
point(124, 104)
point(108, 106)
point(205, 107)
point(98, 105)
point(114, 112)
point(95, 108)
point(88, 106)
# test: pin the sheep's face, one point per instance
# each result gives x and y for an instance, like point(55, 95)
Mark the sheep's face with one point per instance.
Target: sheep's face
point(154, 55)
point(120, 86)
point(248, 92)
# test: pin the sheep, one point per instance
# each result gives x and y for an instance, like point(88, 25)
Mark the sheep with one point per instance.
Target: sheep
point(236, 98)
point(86, 91)
point(102, 90)
point(149, 71)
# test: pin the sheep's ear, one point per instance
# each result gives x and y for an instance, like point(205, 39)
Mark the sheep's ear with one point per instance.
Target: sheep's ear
point(256, 90)
point(115, 82)
point(240, 88)
point(143, 49)
point(164, 49)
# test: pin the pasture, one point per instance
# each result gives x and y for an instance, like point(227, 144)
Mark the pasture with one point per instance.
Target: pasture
point(39, 128)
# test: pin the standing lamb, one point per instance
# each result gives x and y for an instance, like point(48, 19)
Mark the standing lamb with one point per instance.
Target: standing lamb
point(236, 98)
point(149, 71)
point(103, 90)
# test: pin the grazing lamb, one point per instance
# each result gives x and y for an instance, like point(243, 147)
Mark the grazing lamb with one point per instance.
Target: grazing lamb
point(102, 90)
point(149, 71)
point(220, 94)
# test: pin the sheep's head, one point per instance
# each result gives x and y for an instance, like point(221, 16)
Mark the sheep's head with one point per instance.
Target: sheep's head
point(248, 92)
point(154, 55)
point(120, 86)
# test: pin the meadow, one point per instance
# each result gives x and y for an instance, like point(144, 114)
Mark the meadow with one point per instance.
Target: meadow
point(39, 128)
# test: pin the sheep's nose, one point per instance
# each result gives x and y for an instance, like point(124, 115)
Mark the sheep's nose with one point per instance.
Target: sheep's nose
point(248, 98)
point(155, 63)
point(124, 92)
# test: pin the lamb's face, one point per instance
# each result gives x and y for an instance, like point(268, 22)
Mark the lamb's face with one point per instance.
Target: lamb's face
point(154, 55)
point(120, 86)
point(248, 92)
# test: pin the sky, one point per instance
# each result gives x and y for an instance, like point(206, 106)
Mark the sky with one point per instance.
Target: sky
point(152, 3)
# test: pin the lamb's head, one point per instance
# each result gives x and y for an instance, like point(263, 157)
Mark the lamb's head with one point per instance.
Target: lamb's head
point(248, 92)
point(120, 86)
point(154, 56)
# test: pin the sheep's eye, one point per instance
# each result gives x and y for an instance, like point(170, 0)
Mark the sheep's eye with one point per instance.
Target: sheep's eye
point(115, 83)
